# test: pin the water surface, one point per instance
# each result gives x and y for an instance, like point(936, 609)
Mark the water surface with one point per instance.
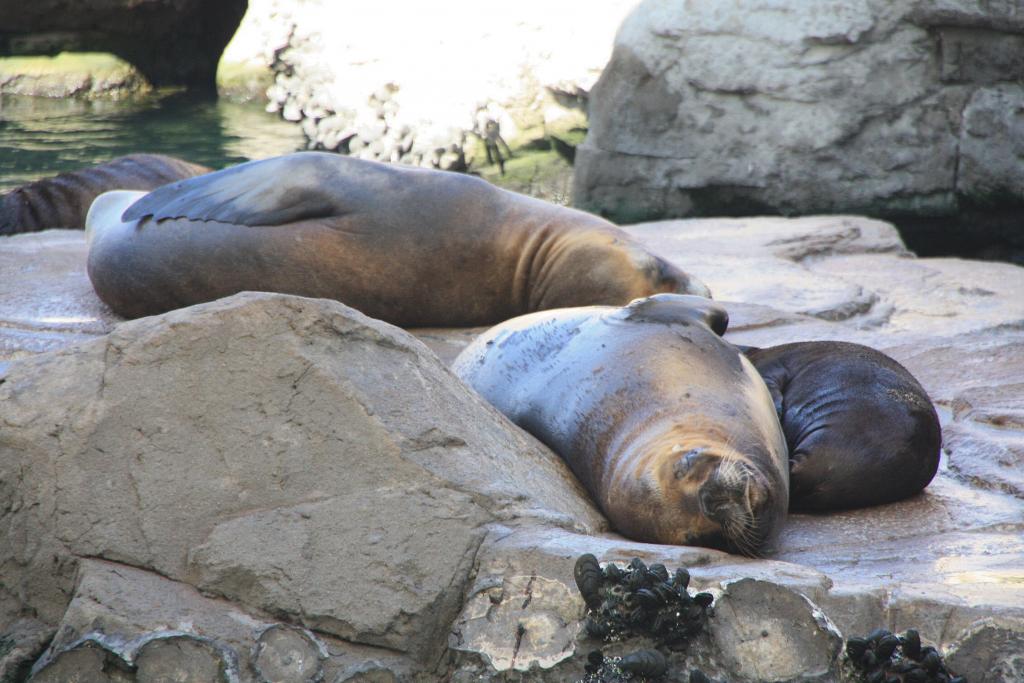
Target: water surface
point(41, 136)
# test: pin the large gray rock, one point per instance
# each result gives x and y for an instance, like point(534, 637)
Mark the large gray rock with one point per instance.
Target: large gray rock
point(289, 454)
point(905, 109)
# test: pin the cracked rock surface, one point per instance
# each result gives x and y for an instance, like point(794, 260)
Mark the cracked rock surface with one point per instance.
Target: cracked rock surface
point(281, 488)
point(900, 109)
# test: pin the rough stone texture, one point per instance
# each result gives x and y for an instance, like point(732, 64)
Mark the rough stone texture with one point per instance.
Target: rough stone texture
point(46, 299)
point(21, 644)
point(94, 76)
point(287, 655)
point(85, 662)
point(142, 33)
point(273, 550)
point(417, 83)
point(990, 652)
point(129, 611)
point(766, 632)
point(905, 110)
point(283, 421)
point(522, 612)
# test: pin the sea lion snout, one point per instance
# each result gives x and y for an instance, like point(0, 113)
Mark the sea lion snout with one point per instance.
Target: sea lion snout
point(739, 498)
point(671, 280)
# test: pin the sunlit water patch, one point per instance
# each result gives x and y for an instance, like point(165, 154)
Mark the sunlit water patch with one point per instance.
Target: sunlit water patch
point(40, 136)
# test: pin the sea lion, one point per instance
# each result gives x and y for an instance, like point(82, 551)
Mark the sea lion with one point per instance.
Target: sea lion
point(414, 247)
point(63, 200)
point(669, 427)
point(860, 429)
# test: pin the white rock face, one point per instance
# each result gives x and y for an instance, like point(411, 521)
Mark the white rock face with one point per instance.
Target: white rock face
point(714, 107)
point(401, 80)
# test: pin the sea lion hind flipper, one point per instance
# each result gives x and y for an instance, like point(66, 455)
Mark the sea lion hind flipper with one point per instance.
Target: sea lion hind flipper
point(267, 192)
point(674, 308)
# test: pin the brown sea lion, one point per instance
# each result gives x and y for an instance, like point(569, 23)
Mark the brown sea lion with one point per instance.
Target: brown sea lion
point(860, 429)
point(414, 247)
point(63, 200)
point(668, 426)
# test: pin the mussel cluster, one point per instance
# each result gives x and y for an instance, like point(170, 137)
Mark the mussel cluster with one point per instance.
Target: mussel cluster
point(884, 657)
point(640, 600)
point(638, 666)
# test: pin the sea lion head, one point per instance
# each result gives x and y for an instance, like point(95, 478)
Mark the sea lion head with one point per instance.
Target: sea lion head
point(714, 495)
point(597, 268)
point(668, 279)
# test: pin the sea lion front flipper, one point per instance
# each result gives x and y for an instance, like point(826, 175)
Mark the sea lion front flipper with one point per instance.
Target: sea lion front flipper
point(673, 308)
point(267, 192)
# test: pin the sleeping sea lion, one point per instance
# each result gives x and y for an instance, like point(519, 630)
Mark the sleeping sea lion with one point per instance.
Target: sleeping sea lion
point(860, 429)
point(63, 200)
point(669, 427)
point(413, 247)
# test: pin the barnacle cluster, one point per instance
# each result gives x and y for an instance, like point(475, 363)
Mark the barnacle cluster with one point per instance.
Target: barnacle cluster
point(883, 657)
point(640, 600)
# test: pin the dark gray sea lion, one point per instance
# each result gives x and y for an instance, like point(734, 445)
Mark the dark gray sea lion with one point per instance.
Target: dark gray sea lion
point(860, 429)
point(669, 427)
point(63, 200)
point(411, 246)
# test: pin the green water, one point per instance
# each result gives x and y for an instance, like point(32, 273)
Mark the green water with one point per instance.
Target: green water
point(41, 137)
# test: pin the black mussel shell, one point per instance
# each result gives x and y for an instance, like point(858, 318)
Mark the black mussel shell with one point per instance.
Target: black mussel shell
point(698, 676)
point(681, 579)
point(596, 657)
point(877, 635)
point(903, 666)
point(665, 592)
point(637, 565)
point(647, 598)
point(704, 599)
point(915, 675)
point(886, 646)
point(597, 629)
point(912, 644)
point(649, 663)
point(877, 677)
point(612, 572)
point(589, 579)
point(856, 647)
point(659, 571)
point(931, 662)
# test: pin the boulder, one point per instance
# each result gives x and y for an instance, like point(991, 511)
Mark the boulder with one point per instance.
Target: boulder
point(289, 454)
point(902, 110)
point(172, 42)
